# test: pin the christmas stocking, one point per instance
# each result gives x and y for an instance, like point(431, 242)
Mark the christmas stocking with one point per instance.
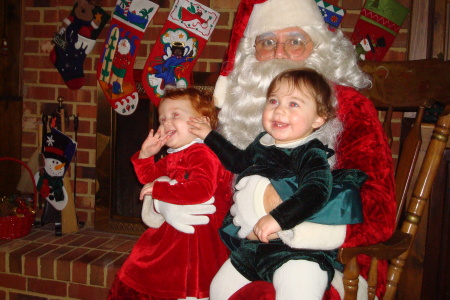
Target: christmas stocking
point(377, 27)
point(76, 39)
point(115, 67)
point(59, 150)
point(332, 15)
point(181, 41)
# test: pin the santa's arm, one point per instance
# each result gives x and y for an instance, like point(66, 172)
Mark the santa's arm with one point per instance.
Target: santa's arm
point(257, 197)
point(363, 146)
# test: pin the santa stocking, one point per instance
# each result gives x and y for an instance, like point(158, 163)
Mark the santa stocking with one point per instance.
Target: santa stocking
point(377, 27)
point(76, 39)
point(115, 68)
point(181, 41)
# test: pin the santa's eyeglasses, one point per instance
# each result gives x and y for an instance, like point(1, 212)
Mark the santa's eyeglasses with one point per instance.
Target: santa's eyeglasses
point(266, 48)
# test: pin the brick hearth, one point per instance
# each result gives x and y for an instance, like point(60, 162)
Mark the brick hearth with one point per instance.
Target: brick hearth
point(42, 266)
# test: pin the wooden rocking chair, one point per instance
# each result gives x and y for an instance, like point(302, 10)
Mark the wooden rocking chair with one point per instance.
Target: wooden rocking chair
point(402, 86)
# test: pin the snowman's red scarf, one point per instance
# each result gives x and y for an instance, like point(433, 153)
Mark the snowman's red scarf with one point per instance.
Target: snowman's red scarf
point(46, 181)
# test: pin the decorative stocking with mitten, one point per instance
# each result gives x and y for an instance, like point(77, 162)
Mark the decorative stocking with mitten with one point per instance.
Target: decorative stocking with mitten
point(76, 40)
point(115, 68)
point(181, 41)
point(377, 27)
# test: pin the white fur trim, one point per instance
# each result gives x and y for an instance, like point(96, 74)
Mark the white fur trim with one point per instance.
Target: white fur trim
point(220, 91)
point(67, 21)
point(314, 236)
point(258, 197)
point(273, 15)
point(95, 26)
point(338, 284)
point(85, 43)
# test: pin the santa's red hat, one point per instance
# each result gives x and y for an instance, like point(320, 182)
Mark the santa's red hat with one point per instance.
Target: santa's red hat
point(255, 17)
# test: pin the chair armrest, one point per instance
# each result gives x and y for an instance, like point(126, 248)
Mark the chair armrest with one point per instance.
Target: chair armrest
point(392, 248)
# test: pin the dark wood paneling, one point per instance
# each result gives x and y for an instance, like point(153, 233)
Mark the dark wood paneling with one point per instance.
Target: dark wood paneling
point(10, 143)
point(11, 65)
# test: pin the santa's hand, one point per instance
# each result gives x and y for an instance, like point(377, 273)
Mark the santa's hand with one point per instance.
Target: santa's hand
point(182, 217)
point(149, 216)
point(249, 203)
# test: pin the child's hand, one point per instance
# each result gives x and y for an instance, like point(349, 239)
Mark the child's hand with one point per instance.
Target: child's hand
point(152, 144)
point(199, 126)
point(146, 190)
point(265, 227)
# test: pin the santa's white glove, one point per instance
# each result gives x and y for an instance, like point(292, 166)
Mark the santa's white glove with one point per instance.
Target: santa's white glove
point(248, 205)
point(149, 216)
point(180, 217)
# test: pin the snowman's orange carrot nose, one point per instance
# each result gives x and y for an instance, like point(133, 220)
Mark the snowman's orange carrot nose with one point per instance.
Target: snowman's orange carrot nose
point(59, 166)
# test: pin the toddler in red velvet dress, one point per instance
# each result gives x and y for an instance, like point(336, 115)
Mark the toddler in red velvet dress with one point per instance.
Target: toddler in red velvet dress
point(173, 260)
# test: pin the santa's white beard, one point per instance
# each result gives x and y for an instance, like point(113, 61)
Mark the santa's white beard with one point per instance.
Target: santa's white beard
point(240, 116)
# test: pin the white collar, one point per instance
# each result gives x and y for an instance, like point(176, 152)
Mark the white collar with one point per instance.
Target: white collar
point(268, 140)
point(195, 141)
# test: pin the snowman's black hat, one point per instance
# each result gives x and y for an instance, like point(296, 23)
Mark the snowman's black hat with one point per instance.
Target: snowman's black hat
point(59, 146)
point(54, 152)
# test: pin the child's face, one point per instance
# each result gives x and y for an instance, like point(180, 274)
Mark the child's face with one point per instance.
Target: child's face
point(290, 114)
point(173, 117)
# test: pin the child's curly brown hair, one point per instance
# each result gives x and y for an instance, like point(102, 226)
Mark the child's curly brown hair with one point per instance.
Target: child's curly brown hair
point(202, 102)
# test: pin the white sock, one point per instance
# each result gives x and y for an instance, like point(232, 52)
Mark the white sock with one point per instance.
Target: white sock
point(300, 279)
point(226, 282)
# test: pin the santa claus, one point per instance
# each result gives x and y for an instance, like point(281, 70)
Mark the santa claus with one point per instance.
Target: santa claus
point(361, 143)
point(240, 92)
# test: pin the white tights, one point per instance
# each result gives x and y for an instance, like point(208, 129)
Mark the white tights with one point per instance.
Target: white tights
point(295, 280)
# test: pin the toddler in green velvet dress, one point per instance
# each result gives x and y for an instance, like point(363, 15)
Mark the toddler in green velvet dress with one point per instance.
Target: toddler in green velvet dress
point(291, 155)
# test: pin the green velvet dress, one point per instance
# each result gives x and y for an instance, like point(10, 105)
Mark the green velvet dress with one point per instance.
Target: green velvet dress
point(310, 192)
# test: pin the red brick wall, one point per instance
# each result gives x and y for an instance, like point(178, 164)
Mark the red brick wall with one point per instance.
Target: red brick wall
point(42, 84)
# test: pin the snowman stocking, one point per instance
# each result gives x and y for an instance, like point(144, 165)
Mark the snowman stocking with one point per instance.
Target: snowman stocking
point(58, 152)
point(181, 41)
point(75, 41)
point(377, 27)
point(115, 68)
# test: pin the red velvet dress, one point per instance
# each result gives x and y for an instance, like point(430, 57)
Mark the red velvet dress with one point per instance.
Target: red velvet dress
point(166, 263)
point(363, 146)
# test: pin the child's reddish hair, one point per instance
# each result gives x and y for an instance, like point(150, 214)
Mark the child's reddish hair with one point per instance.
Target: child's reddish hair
point(201, 101)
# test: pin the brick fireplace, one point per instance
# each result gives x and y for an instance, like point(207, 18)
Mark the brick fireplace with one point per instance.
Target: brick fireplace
point(80, 265)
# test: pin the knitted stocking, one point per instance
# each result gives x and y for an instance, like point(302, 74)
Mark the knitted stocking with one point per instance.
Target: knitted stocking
point(76, 40)
point(181, 41)
point(115, 68)
point(377, 27)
